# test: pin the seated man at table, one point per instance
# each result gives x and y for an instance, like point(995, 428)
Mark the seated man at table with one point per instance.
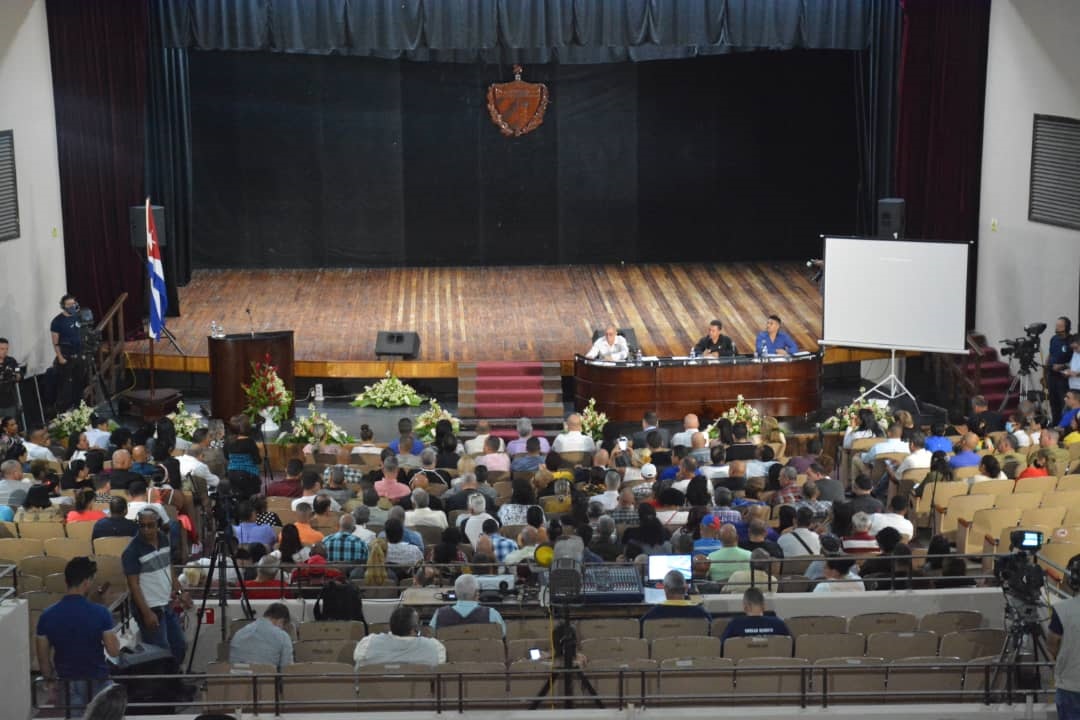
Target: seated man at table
point(466, 611)
point(773, 340)
point(715, 344)
point(675, 604)
point(754, 622)
point(609, 346)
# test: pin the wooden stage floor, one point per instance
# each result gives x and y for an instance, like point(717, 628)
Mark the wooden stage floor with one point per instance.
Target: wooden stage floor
point(485, 313)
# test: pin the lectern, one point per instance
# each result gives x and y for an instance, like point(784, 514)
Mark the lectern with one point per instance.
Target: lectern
point(230, 367)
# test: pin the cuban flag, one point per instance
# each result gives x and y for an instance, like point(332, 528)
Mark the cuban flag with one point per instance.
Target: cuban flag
point(159, 302)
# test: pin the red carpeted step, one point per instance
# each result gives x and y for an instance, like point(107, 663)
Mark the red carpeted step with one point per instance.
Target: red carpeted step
point(511, 409)
point(525, 395)
point(988, 369)
point(997, 384)
point(504, 369)
point(501, 382)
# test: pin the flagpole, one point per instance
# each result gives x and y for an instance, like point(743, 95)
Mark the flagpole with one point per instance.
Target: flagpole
point(150, 339)
point(149, 295)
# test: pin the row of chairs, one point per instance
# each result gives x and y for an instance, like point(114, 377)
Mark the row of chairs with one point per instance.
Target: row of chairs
point(12, 550)
point(325, 686)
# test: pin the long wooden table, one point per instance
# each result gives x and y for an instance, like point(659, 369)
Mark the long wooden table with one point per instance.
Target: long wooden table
point(781, 386)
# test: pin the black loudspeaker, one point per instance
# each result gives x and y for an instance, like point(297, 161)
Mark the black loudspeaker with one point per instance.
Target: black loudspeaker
point(137, 224)
point(627, 333)
point(405, 345)
point(890, 218)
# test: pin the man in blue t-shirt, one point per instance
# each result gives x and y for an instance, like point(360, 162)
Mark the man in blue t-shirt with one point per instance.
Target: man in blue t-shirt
point(754, 622)
point(67, 345)
point(774, 341)
point(71, 635)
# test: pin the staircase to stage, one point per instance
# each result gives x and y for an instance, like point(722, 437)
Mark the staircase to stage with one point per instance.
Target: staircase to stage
point(510, 390)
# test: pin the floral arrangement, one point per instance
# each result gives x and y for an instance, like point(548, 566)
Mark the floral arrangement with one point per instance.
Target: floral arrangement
point(303, 430)
point(593, 422)
point(848, 416)
point(424, 426)
point(742, 412)
point(185, 422)
point(267, 391)
point(387, 393)
point(74, 420)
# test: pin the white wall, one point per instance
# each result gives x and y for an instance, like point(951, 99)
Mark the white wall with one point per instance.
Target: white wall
point(32, 274)
point(15, 639)
point(1028, 272)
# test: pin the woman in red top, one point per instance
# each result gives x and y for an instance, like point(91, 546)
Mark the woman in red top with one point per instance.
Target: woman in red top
point(84, 508)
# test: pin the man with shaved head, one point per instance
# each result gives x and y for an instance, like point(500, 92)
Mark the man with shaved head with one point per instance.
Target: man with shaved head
point(966, 455)
point(573, 440)
point(120, 476)
point(609, 346)
point(690, 425)
point(730, 557)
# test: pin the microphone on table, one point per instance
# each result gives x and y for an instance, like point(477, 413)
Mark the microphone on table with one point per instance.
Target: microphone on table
point(251, 321)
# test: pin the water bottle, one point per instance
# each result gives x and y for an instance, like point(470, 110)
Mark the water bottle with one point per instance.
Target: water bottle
point(764, 349)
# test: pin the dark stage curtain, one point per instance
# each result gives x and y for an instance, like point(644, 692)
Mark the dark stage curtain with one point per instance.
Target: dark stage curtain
point(99, 86)
point(536, 31)
point(312, 161)
point(168, 151)
point(939, 140)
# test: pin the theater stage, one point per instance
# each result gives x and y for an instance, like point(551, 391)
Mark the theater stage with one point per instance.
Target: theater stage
point(487, 313)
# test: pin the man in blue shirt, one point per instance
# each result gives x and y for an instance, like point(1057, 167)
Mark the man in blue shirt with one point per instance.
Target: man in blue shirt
point(71, 635)
point(937, 442)
point(754, 622)
point(67, 344)
point(774, 341)
point(966, 455)
point(1057, 361)
point(675, 604)
point(1072, 406)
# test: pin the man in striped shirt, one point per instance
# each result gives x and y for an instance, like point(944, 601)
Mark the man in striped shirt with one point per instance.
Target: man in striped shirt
point(153, 586)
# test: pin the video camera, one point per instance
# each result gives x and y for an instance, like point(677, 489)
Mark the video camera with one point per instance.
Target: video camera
point(89, 336)
point(1025, 348)
point(11, 374)
point(1021, 579)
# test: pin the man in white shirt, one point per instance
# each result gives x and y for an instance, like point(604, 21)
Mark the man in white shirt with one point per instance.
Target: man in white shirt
point(138, 502)
point(492, 459)
point(801, 540)
point(475, 446)
point(422, 514)
point(573, 440)
point(311, 482)
point(361, 515)
point(473, 523)
point(609, 346)
point(896, 518)
point(98, 432)
point(892, 444)
point(919, 459)
point(609, 499)
point(12, 486)
point(37, 447)
point(690, 426)
point(191, 462)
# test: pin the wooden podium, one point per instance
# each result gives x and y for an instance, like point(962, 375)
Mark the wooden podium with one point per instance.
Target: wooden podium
point(230, 366)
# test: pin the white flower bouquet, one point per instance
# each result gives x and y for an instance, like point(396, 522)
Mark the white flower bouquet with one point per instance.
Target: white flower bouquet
point(74, 420)
point(742, 412)
point(848, 416)
point(184, 421)
point(314, 427)
point(592, 421)
point(424, 426)
point(388, 393)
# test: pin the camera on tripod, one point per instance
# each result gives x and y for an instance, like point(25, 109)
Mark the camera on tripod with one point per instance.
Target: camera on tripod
point(1020, 579)
point(226, 507)
point(89, 336)
point(1025, 348)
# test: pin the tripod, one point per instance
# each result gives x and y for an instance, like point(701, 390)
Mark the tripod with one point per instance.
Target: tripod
point(1025, 630)
point(98, 381)
point(1024, 387)
point(567, 642)
point(222, 550)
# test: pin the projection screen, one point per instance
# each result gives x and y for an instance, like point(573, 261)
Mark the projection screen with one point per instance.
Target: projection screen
point(895, 294)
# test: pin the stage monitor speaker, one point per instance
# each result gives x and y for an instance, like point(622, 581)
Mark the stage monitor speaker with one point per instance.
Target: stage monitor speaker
point(628, 333)
point(890, 218)
point(402, 344)
point(137, 225)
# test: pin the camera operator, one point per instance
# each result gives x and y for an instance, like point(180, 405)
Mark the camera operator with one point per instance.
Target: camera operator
point(1057, 362)
point(67, 345)
point(9, 375)
point(1072, 373)
point(1063, 643)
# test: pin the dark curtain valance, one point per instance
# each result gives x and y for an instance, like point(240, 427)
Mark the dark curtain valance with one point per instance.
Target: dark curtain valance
point(530, 31)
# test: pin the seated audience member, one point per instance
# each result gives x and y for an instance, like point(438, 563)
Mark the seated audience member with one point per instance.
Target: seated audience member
point(966, 455)
point(832, 490)
point(757, 536)
point(308, 534)
point(604, 542)
point(528, 541)
point(138, 500)
point(840, 576)
point(801, 539)
point(522, 498)
point(802, 463)
point(675, 604)
point(900, 574)
point(625, 513)
point(821, 509)
point(936, 440)
point(760, 512)
point(448, 552)
point(466, 611)
point(447, 448)
point(422, 514)
point(388, 485)
point(475, 445)
point(862, 500)
point(500, 547)
point(76, 476)
point(649, 537)
point(120, 475)
point(406, 443)
point(918, 458)
point(429, 473)
point(312, 486)
point(572, 439)
point(362, 516)
point(609, 499)
point(525, 431)
point(376, 573)
point(399, 552)
point(1037, 468)
point(989, 469)
point(263, 514)
point(785, 521)
point(754, 622)
point(335, 478)
point(736, 480)
point(84, 508)
point(866, 427)
point(983, 420)
point(290, 548)
point(268, 583)
point(887, 539)
point(266, 640)
point(532, 460)
point(192, 463)
point(940, 471)
point(1011, 460)
point(249, 530)
point(469, 486)
point(894, 443)
point(344, 546)
point(709, 530)
point(492, 459)
point(472, 524)
point(117, 523)
point(896, 517)
point(402, 645)
point(1060, 458)
point(289, 486)
point(729, 558)
point(411, 536)
point(830, 547)
point(742, 448)
point(789, 492)
point(763, 462)
point(759, 576)
point(860, 541)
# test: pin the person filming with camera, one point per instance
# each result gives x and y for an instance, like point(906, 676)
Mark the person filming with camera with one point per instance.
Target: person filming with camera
point(1058, 360)
point(67, 346)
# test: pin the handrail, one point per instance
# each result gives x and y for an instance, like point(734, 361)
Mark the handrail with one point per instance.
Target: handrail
point(110, 353)
point(111, 312)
